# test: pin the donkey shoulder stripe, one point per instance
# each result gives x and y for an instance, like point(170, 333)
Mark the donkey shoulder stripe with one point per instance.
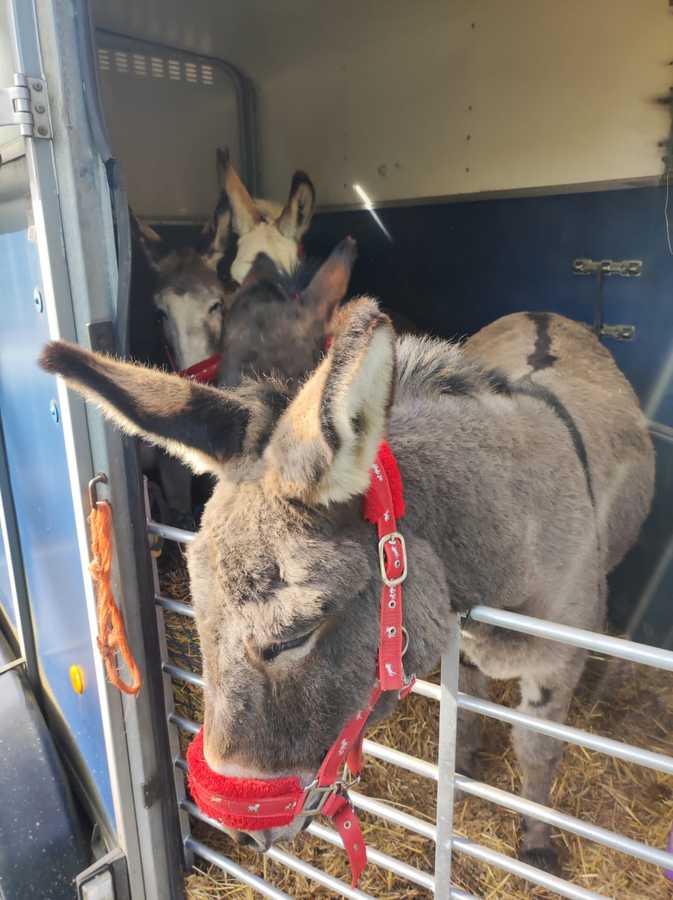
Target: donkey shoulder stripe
point(541, 357)
point(530, 388)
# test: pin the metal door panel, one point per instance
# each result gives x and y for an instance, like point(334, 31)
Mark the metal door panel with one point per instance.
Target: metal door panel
point(41, 490)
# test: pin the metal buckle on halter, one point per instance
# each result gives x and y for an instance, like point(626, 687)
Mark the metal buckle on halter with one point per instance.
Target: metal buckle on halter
point(324, 792)
point(391, 539)
point(340, 786)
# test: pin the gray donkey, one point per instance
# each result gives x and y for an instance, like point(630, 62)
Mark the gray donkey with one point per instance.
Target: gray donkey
point(506, 506)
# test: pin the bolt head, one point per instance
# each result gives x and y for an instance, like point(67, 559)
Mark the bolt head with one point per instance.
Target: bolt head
point(37, 86)
point(42, 131)
point(39, 108)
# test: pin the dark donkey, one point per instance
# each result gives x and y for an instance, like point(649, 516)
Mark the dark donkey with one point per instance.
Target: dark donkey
point(501, 510)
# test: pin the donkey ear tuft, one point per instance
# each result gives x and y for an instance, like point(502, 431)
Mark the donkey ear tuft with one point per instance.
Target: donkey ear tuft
point(326, 441)
point(296, 216)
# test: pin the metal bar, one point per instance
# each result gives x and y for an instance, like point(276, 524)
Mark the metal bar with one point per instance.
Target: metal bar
point(427, 689)
point(562, 820)
point(238, 872)
point(174, 606)
point(523, 870)
point(170, 533)
point(286, 859)
point(446, 758)
point(403, 760)
point(567, 733)
point(576, 637)
point(183, 724)
point(396, 866)
point(392, 815)
point(182, 674)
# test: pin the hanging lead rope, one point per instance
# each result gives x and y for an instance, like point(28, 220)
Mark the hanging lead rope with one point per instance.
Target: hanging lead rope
point(111, 630)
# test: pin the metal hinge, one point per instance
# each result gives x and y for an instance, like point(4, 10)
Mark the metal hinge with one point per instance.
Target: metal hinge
point(629, 268)
point(26, 104)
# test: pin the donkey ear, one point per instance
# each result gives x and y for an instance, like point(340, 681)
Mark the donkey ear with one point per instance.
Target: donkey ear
point(203, 426)
point(244, 213)
point(296, 216)
point(325, 442)
point(214, 239)
point(329, 284)
point(148, 240)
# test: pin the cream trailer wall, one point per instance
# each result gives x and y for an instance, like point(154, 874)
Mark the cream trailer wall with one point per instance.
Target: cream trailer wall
point(425, 99)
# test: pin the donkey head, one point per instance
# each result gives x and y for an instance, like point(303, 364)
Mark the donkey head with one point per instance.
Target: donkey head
point(284, 572)
point(260, 226)
point(194, 287)
point(190, 299)
point(273, 328)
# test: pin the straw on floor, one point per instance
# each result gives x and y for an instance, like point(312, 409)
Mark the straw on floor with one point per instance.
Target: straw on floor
point(618, 699)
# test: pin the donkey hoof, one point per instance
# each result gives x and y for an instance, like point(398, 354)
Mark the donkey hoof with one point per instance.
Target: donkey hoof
point(545, 858)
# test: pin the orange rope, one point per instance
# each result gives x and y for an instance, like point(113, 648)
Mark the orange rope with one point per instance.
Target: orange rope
point(111, 630)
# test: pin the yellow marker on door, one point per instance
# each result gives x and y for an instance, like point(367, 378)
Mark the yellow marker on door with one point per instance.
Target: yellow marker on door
point(77, 679)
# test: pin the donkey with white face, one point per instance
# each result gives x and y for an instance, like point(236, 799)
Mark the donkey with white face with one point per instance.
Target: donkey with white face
point(194, 287)
point(501, 509)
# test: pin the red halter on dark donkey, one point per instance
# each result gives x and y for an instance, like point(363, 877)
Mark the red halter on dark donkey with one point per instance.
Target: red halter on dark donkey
point(250, 804)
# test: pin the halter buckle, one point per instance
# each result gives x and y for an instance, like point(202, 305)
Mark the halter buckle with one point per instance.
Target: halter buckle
point(392, 538)
point(326, 791)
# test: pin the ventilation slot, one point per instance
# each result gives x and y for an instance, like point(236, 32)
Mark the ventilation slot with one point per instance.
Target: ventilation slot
point(142, 66)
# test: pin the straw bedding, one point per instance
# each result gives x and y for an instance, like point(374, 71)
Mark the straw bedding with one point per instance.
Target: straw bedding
point(617, 699)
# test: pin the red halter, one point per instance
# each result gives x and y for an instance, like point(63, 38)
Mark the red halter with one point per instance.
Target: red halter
point(205, 371)
point(254, 804)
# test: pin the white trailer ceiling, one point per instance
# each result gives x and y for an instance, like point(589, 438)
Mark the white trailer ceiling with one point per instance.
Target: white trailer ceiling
point(435, 97)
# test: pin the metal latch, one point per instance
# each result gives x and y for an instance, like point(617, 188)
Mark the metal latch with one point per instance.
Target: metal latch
point(627, 268)
point(26, 104)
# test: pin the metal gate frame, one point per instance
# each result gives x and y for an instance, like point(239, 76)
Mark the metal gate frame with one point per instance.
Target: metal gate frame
point(450, 700)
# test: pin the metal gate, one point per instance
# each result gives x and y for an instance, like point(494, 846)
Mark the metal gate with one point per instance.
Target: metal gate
point(450, 700)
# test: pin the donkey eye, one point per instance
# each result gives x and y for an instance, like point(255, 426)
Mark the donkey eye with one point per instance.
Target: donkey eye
point(162, 314)
point(273, 650)
point(215, 307)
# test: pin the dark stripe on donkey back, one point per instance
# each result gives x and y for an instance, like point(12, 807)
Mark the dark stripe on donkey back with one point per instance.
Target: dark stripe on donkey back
point(529, 388)
point(541, 357)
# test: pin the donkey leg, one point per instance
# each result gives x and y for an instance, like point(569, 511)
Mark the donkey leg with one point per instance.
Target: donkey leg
point(545, 695)
point(471, 681)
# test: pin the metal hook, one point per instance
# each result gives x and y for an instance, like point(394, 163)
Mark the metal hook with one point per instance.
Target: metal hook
point(99, 478)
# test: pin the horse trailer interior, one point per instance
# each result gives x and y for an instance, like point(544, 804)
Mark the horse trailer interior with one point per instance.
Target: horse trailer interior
point(488, 159)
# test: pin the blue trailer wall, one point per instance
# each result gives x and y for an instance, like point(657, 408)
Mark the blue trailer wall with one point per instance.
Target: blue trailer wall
point(44, 508)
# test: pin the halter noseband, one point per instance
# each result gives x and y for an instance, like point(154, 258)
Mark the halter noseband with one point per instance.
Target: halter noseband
point(255, 804)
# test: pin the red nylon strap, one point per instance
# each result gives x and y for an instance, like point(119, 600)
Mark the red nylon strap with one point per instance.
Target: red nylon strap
point(205, 371)
point(339, 810)
point(381, 506)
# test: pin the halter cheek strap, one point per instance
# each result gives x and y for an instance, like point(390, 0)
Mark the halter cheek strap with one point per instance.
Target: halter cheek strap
point(254, 805)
